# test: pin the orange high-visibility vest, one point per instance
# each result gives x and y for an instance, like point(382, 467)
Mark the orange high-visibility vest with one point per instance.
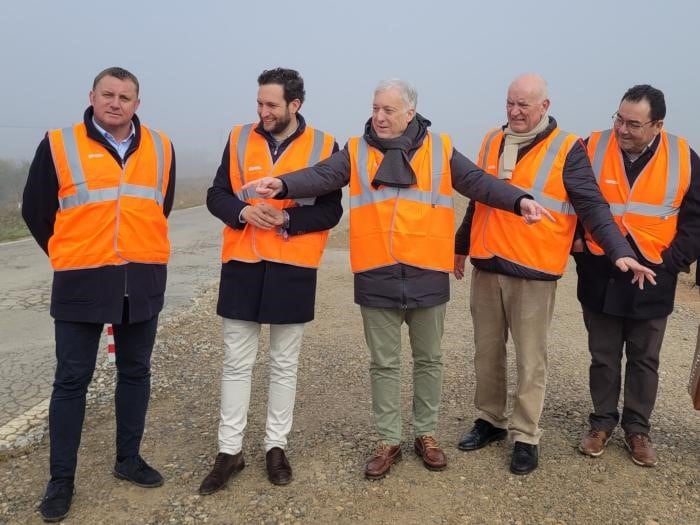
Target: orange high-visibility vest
point(249, 160)
point(649, 210)
point(543, 246)
point(109, 214)
point(413, 225)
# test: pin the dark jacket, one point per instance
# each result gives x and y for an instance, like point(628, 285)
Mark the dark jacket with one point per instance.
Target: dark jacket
point(94, 295)
point(589, 204)
point(604, 289)
point(269, 292)
point(401, 285)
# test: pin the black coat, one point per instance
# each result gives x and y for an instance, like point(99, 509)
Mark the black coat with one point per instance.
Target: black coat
point(269, 292)
point(94, 295)
point(604, 289)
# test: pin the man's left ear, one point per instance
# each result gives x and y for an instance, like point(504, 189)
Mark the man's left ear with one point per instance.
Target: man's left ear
point(294, 105)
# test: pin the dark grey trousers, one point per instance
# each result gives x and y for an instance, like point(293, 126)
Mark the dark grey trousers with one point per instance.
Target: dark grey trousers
point(641, 340)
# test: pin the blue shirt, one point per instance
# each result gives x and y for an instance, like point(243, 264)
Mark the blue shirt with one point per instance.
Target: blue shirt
point(121, 147)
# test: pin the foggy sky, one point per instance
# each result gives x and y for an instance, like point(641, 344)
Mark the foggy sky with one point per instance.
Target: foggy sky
point(198, 62)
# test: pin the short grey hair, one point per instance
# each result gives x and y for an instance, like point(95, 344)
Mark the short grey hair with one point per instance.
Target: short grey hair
point(408, 92)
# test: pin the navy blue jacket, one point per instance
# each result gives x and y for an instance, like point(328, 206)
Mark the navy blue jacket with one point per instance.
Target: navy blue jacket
point(605, 289)
point(268, 292)
point(94, 295)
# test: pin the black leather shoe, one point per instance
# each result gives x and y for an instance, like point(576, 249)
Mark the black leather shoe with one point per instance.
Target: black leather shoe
point(138, 472)
point(481, 435)
point(524, 458)
point(56, 501)
point(225, 466)
point(278, 470)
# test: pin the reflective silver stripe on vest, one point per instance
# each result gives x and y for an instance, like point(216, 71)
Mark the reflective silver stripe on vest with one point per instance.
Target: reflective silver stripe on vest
point(145, 192)
point(369, 195)
point(242, 146)
point(549, 202)
point(70, 146)
point(316, 148)
point(673, 182)
point(160, 166)
point(84, 196)
point(542, 176)
point(487, 150)
point(240, 149)
point(101, 195)
point(314, 158)
point(599, 154)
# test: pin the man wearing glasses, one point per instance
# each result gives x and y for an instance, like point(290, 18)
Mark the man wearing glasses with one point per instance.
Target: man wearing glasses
point(652, 181)
point(516, 269)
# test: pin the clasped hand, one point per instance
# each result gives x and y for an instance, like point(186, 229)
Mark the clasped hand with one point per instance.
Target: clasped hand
point(262, 215)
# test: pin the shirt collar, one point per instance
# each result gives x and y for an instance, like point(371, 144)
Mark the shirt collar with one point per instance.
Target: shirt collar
point(108, 135)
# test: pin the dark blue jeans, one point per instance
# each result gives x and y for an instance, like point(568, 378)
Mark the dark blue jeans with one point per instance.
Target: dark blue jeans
point(76, 353)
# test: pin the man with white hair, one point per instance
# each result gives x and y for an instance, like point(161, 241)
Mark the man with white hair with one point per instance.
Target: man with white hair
point(516, 268)
point(401, 238)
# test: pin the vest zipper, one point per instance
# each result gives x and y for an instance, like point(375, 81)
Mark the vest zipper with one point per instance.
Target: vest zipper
point(116, 228)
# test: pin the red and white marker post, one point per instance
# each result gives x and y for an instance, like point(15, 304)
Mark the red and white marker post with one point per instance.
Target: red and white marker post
point(111, 348)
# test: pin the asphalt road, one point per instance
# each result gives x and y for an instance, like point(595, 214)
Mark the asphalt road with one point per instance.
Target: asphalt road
point(26, 329)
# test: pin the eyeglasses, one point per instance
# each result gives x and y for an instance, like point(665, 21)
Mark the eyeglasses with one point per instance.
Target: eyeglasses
point(632, 125)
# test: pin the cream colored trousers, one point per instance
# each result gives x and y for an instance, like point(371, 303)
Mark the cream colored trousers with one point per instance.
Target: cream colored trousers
point(241, 347)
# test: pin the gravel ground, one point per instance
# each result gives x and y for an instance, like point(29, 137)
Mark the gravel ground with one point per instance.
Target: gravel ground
point(333, 434)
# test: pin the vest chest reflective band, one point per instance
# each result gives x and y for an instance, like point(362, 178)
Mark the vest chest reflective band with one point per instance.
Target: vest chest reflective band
point(648, 211)
point(250, 160)
point(543, 246)
point(109, 214)
point(412, 225)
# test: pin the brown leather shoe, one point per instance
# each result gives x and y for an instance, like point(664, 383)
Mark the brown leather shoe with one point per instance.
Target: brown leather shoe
point(225, 466)
point(593, 442)
point(279, 472)
point(641, 449)
point(382, 459)
point(428, 449)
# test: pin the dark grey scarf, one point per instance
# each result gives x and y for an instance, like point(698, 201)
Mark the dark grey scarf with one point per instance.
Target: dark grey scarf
point(395, 169)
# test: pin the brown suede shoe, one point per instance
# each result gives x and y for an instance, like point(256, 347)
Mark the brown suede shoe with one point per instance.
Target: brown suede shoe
point(428, 449)
point(641, 449)
point(593, 442)
point(279, 472)
point(225, 466)
point(382, 459)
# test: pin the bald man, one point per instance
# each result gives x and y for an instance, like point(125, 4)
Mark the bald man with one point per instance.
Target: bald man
point(516, 269)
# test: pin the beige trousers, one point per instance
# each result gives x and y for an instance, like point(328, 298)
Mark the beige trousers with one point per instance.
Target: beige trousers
point(501, 304)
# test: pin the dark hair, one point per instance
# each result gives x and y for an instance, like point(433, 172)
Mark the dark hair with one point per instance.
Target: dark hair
point(654, 96)
point(289, 79)
point(116, 72)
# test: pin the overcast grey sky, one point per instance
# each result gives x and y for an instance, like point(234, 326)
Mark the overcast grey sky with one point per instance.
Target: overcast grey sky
point(197, 61)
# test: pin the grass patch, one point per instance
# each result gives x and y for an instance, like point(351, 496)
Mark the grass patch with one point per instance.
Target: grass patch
point(12, 225)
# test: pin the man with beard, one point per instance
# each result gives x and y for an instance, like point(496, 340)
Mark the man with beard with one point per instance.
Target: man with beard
point(271, 251)
point(401, 251)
